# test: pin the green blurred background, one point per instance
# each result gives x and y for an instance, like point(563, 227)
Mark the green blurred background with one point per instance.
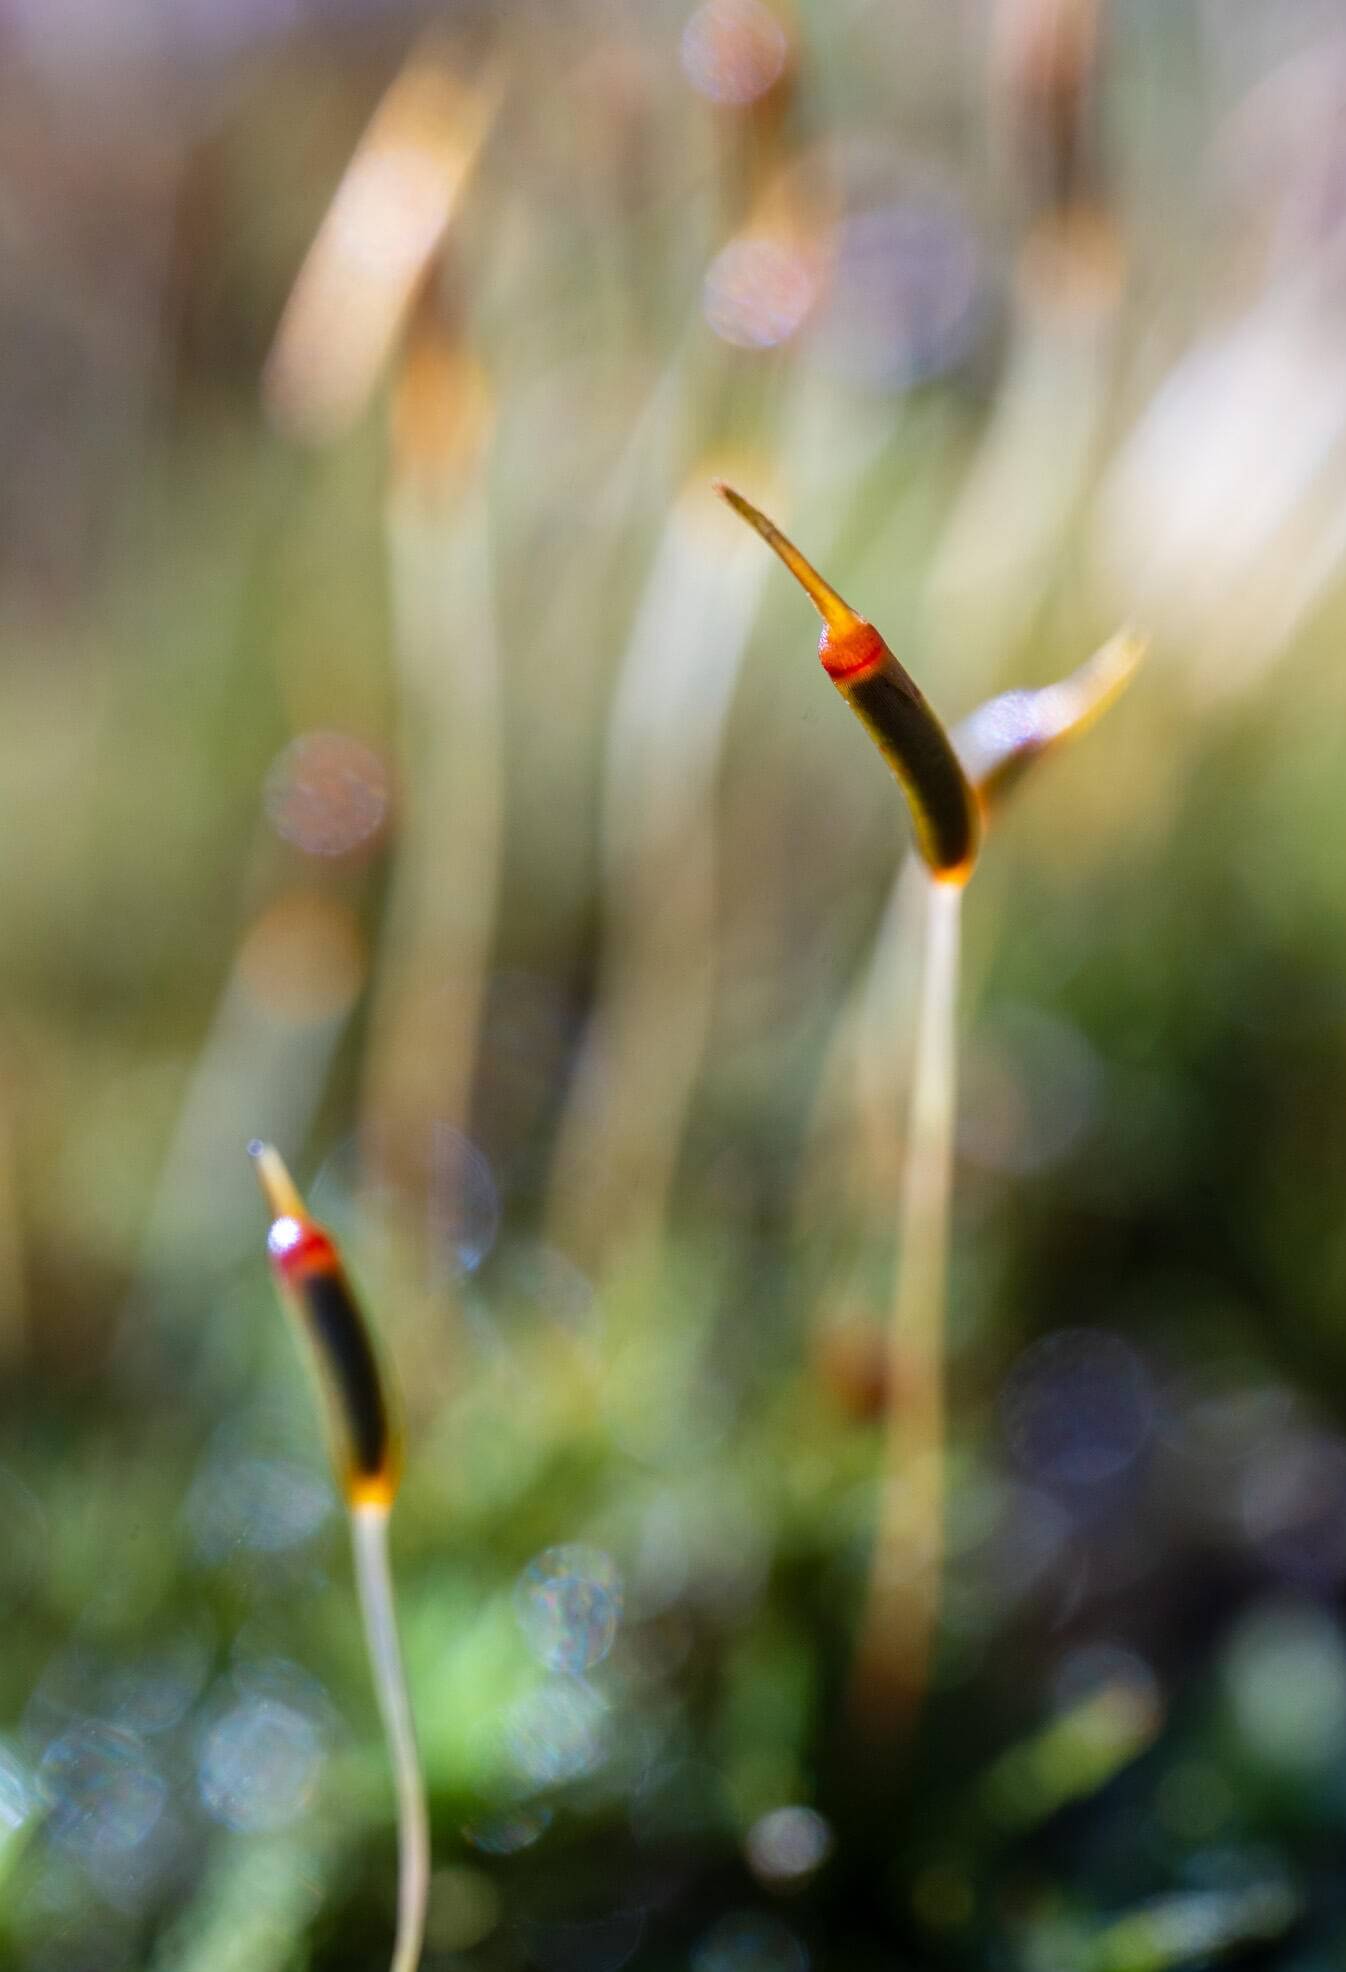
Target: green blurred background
point(403, 756)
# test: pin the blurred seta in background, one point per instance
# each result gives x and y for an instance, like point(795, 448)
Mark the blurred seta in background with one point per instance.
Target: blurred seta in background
point(853, 1512)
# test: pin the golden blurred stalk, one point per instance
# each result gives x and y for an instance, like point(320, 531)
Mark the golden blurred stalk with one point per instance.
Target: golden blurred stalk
point(436, 952)
point(624, 1121)
point(441, 921)
point(897, 1629)
point(379, 237)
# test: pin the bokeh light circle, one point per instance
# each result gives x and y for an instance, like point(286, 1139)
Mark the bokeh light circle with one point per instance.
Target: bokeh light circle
point(749, 1941)
point(758, 291)
point(104, 1791)
point(1077, 1407)
point(788, 1844)
point(734, 51)
point(259, 1763)
point(327, 794)
point(568, 1601)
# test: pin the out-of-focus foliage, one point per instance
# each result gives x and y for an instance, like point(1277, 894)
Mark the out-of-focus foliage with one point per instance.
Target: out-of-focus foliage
point(446, 790)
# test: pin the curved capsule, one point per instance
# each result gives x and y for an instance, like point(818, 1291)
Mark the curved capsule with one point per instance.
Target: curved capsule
point(1000, 740)
point(893, 710)
point(308, 1270)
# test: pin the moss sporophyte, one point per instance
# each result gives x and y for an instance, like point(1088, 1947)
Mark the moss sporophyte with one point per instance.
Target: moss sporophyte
point(366, 1455)
point(952, 784)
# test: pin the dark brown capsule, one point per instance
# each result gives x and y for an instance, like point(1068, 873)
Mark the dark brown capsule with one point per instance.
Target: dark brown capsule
point(313, 1282)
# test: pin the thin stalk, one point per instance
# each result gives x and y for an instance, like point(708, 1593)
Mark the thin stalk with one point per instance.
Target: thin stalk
point(435, 963)
point(374, 1582)
point(13, 1276)
point(897, 1630)
point(853, 1160)
point(625, 1120)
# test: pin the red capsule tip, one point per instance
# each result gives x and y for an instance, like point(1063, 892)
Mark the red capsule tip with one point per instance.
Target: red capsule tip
point(852, 655)
point(297, 1245)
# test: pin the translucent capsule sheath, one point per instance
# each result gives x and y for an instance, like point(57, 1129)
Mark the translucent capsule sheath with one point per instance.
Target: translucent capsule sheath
point(893, 710)
point(313, 1282)
point(1003, 738)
